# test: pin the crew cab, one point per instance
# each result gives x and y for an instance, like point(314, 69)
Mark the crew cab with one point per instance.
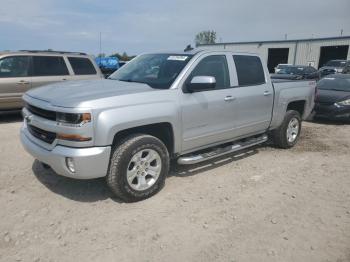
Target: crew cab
point(188, 106)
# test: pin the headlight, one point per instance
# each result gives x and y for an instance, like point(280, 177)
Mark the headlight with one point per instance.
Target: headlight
point(343, 103)
point(73, 119)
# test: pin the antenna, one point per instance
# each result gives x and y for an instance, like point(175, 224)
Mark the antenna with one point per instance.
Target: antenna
point(100, 54)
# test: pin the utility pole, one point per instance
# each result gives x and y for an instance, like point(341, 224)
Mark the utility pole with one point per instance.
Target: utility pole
point(341, 32)
point(285, 37)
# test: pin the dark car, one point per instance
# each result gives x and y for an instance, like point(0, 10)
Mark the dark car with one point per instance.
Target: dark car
point(333, 97)
point(297, 72)
point(334, 67)
point(346, 69)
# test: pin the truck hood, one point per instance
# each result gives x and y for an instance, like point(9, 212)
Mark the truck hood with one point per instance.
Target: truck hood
point(331, 96)
point(74, 93)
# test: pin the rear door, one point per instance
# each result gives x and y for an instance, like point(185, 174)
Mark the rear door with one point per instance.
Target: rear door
point(253, 96)
point(14, 80)
point(48, 69)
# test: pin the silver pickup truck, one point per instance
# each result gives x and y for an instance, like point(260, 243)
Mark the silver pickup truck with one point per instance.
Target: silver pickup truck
point(189, 106)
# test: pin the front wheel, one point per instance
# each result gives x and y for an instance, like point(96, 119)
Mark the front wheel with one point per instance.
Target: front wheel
point(287, 135)
point(138, 168)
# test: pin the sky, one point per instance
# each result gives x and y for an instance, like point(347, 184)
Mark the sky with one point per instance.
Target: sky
point(137, 26)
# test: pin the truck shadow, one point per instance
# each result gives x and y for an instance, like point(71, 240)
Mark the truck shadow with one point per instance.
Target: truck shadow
point(94, 190)
point(91, 190)
point(10, 117)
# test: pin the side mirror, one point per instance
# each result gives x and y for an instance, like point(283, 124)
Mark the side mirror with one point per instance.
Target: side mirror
point(201, 83)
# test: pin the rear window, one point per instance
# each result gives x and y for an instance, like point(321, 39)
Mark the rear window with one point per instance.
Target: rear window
point(336, 63)
point(249, 70)
point(49, 66)
point(82, 66)
point(282, 66)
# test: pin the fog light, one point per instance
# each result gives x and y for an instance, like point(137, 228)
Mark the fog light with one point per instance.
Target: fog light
point(70, 164)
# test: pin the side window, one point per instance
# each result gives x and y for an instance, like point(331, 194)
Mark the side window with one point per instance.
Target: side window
point(216, 66)
point(14, 66)
point(249, 70)
point(49, 66)
point(82, 66)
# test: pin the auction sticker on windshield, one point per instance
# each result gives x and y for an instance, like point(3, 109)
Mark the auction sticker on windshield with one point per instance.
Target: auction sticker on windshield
point(177, 57)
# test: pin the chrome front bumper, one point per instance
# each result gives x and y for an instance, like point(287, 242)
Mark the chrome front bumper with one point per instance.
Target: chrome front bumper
point(89, 162)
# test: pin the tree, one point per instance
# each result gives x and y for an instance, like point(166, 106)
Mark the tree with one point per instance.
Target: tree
point(205, 37)
point(123, 57)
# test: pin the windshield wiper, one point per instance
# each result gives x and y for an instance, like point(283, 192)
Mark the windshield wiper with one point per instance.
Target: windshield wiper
point(130, 81)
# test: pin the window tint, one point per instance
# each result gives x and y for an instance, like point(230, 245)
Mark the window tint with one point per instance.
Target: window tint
point(82, 66)
point(249, 70)
point(14, 66)
point(216, 66)
point(49, 66)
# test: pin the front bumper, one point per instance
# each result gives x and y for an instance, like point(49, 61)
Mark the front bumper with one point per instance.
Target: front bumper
point(332, 112)
point(89, 162)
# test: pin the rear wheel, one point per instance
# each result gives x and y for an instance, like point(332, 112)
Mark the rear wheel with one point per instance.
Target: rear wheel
point(287, 135)
point(138, 168)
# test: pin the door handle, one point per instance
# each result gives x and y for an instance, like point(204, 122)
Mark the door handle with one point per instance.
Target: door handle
point(267, 93)
point(64, 79)
point(22, 82)
point(229, 98)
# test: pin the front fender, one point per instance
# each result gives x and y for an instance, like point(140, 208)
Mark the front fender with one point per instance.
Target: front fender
point(111, 121)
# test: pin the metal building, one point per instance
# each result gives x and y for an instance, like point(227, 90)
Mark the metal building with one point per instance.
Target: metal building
point(315, 52)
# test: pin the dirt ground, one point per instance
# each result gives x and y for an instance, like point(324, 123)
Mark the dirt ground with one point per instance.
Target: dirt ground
point(262, 205)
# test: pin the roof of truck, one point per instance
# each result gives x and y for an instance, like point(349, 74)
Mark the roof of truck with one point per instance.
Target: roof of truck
point(199, 50)
point(41, 52)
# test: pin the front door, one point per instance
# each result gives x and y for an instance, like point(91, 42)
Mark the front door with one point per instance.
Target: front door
point(15, 80)
point(207, 115)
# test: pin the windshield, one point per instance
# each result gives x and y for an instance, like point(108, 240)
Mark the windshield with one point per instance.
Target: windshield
point(155, 70)
point(292, 70)
point(331, 83)
point(336, 63)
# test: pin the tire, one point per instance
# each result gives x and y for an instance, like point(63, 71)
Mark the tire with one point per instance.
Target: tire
point(130, 158)
point(280, 136)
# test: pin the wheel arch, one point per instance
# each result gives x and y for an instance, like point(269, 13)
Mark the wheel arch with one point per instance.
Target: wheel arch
point(163, 131)
point(298, 105)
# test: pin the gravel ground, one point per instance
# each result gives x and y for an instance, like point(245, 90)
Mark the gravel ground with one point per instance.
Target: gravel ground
point(262, 205)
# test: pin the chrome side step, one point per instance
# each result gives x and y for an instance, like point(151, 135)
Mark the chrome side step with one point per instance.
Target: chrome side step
point(220, 151)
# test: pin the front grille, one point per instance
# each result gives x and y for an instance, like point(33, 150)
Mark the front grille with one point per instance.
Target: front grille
point(51, 115)
point(43, 135)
